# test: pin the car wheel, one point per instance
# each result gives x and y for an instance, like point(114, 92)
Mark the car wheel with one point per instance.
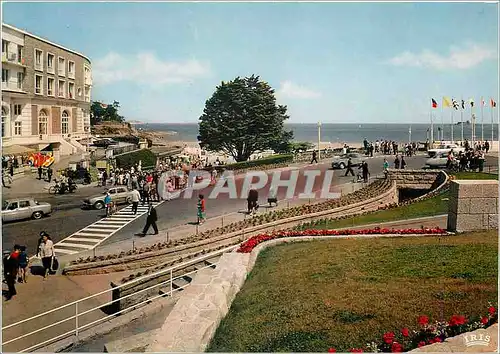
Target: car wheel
point(99, 205)
point(341, 166)
point(37, 215)
point(129, 200)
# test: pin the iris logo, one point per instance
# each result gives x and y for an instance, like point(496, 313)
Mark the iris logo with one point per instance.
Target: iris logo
point(477, 339)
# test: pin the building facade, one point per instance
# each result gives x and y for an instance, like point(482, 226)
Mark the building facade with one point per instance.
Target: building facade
point(46, 92)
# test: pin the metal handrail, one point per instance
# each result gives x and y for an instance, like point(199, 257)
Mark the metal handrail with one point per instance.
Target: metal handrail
point(75, 303)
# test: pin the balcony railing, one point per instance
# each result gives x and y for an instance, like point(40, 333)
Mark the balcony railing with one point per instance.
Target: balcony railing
point(11, 87)
point(13, 58)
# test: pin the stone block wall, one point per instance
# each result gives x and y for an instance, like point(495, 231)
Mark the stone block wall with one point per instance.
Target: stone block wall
point(473, 205)
point(421, 179)
point(195, 317)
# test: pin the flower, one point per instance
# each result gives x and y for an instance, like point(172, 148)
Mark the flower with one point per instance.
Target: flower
point(457, 320)
point(492, 310)
point(421, 344)
point(423, 320)
point(484, 320)
point(405, 332)
point(388, 337)
point(437, 340)
point(332, 350)
point(396, 347)
point(356, 350)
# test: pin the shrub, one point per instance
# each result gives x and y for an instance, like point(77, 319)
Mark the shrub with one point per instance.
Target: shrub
point(126, 161)
point(271, 160)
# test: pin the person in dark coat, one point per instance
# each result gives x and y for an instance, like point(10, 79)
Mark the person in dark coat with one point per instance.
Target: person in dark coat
point(366, 173)
point(151, 220)
point(396, 162)
point(253, 197)
point(39, 172)
point(49, 174)
point(349, 168)
point(11, 267)
point(314, 158)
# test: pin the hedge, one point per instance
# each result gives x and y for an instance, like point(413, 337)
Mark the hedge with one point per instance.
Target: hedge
point(274, 159)
point(128, 160)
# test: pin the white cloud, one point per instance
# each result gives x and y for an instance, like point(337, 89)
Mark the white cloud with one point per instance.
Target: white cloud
point(290, 90)
point(459, 58)
point(146, 68)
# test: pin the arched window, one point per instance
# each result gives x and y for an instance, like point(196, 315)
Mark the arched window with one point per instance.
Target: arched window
point(42, 122)
point(65, 122)
point(5, 113)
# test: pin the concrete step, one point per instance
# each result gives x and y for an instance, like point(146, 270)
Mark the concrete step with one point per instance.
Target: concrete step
point(133, 344)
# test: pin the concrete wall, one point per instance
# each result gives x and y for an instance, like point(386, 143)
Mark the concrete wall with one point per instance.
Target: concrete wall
point(421, 179)
point(473, 205)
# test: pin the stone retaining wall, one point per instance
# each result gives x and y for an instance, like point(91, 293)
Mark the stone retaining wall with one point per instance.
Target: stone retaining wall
point(473, 205)
point(195, 317)
point(418, 179)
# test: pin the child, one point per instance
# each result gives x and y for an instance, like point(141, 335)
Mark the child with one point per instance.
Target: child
point(23, 264)
point(201, 209)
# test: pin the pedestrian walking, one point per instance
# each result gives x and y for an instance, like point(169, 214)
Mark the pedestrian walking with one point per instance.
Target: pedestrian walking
point(107, 203)
point(23, 264)
point(366, 173)
point(314, 158)
point(136, 197)
point(201, 209)
point(11, 266)
point(151, 220)
point(49, 174)
point(403, 163)
point(253, 197)
point(47, 252)
point(104, 178)
point(145, 193)
point(40, 172)
point(349, 168)
point(396, 162)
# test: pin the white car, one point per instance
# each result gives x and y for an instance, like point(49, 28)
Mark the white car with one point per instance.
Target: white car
point(445, 148)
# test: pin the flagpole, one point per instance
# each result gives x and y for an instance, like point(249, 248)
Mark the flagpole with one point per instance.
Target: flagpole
point(462, 120)
point(452, 125)
point(442, 122)
point(492, 130)
point(432, 128)
point(482, 120)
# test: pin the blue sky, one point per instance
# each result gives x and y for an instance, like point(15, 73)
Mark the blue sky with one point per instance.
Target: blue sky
point(334, 62)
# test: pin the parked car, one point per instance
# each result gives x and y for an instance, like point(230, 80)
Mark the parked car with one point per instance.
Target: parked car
point(445, 148)
point(341, 161)
point(103, 143)
point(24, 208)
point(119, 195)
point(437, 161)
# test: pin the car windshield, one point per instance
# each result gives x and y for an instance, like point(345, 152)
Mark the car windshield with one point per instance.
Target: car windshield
point(5, 204)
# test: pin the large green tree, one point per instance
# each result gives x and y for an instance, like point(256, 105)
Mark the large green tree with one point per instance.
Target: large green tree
point(242, 117)
point(100, 112)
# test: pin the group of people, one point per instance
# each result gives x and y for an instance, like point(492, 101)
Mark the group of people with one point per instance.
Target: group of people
point(365, 173)
point(15, 263)
point(470, 160)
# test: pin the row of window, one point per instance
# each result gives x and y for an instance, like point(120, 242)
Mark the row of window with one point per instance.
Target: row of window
point(61, 64)
point(43, 122)
point(62, 91)
point(12, 56)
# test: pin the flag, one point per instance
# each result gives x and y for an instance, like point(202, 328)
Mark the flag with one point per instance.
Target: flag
point(455, 104)
point(493, 103)
point(483, 103)
point(471, 101)
point(434, 103)
point(463, 104)
point(446, 102)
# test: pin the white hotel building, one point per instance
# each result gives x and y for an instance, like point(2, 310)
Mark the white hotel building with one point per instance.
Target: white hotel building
point(46, 92)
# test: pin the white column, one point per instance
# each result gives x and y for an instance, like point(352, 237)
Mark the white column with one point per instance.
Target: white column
point(319, 140)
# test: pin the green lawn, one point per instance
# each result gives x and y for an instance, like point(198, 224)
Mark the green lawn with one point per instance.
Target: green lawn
point(345, 293)
point(475, 175)
point(429, 207)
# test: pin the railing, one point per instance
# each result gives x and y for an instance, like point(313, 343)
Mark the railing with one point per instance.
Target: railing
point(78, 314)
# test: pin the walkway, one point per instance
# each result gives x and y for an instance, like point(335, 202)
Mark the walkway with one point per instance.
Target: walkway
point(91, 236)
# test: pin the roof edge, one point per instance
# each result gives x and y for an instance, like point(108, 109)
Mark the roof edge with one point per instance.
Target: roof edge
point(45, 40)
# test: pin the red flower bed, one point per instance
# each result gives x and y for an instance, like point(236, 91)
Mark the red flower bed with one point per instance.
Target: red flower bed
point(427, 333)
point(250, 244)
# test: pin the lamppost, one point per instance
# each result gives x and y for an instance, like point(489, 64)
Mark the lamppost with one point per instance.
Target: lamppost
point(319, 140)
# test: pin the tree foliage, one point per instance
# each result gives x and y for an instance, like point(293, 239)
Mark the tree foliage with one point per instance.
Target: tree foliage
point(242, 117)
point(100, 112)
